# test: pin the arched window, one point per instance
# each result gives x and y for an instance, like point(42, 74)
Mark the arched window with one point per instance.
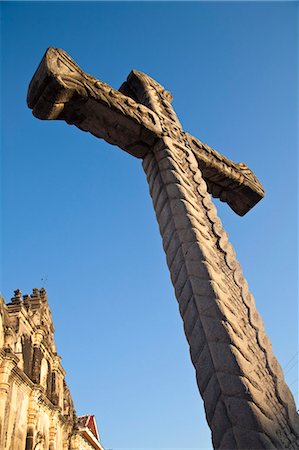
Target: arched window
point(27, 354)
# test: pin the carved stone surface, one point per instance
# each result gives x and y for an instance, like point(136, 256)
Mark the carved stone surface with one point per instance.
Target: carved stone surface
point(133, 119)
point(247, 403)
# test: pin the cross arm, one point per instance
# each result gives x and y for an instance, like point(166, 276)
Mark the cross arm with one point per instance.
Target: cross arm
point(60, 90)
point(233, 183)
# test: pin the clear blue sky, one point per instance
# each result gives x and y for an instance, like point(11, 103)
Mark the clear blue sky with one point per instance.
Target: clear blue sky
point(78, 211)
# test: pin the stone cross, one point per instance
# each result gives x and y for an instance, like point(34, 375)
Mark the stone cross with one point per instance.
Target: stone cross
point(248, 406)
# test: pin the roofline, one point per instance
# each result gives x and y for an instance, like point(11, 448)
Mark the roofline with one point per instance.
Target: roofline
point(88, 435)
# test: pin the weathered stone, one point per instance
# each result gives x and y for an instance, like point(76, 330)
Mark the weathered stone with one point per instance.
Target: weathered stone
point(36, 407)
point(213, 299)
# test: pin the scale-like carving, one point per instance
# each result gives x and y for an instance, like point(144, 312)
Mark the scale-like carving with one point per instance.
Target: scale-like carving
point(247, 403)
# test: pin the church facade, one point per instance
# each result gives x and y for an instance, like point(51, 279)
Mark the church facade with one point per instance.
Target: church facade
point(36, 407)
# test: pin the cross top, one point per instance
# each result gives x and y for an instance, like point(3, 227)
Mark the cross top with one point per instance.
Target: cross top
point(147, 91)
point(133, 118)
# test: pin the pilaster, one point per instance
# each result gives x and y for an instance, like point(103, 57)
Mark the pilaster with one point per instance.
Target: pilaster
point(9, 362)
point(37, 355)
point(53, 433)
point(32, 419)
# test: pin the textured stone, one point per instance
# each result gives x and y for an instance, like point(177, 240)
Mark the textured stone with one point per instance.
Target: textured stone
point(213, 299)
point(36, 407)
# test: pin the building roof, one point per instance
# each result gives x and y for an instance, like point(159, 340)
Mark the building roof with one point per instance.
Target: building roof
point(89, 421)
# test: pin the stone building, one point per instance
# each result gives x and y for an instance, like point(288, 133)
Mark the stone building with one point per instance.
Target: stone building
point(36, 407)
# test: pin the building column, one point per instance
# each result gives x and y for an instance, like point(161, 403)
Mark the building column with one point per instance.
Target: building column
point(32, 419)
point(74, 442)
point(8, 363)
point(53, 433)
point(29, 438)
